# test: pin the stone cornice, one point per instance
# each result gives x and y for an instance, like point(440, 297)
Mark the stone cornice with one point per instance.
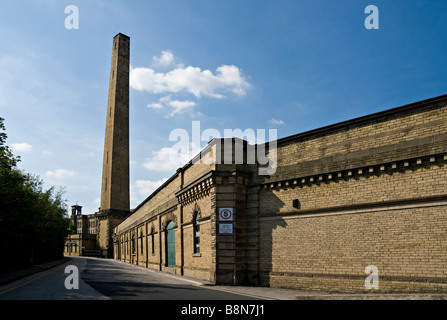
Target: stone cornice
point(355, 171)
point(196, 190)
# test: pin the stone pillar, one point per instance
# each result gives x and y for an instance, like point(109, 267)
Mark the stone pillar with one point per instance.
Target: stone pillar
point(232, 178)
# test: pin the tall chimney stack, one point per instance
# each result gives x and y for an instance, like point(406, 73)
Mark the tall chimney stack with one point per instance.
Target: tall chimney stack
point(115, 190)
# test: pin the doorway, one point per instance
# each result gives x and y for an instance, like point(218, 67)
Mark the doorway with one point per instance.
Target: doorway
point(170, 245)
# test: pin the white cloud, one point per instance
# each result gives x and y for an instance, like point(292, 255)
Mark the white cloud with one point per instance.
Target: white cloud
point(47, 153)
point(146, 187)
point(170, 159)
point(193, 80)
point(60, 173)
point(178, 106)
point(180, 80)
point(165, 159)
point(166, 59)
point(21, 147)
point(276, 122)
point(155, 105)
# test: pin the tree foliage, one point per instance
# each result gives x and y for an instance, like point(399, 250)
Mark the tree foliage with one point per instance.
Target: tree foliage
point(33, 221)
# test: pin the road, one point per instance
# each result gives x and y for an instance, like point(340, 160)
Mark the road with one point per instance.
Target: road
point(103, 279)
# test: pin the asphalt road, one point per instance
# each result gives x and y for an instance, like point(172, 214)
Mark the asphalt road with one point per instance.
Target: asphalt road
point(101, 279)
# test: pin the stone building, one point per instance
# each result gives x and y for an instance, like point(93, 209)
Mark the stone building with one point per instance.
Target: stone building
point(83, 241)
point(364, 194)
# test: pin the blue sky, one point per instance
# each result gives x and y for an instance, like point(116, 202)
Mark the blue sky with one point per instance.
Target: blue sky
point(292, 65)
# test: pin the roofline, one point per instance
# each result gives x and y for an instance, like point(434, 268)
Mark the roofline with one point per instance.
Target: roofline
point(362, 119)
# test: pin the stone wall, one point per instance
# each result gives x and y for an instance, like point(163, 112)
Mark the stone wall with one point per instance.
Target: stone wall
point(371, 191)
point(330, 252)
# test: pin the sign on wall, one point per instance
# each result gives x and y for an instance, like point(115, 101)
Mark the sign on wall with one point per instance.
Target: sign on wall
point(226, 228)
point(225, 214)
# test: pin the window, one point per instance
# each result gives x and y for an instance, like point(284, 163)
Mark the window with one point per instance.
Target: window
point(126, 246)
point(153, 240)
point(133, 245)
point(141, 242)
point(196, 231)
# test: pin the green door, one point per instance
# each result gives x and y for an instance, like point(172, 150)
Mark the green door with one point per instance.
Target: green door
point(170, 245)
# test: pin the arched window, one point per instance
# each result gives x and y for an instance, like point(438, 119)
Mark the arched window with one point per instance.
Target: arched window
point(196, 227)
point(170, 244)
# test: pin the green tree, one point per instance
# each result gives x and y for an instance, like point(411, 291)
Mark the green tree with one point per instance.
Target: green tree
point(7, 159)
point(33, 221)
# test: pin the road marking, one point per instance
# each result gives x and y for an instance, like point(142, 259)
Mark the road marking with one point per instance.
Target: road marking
point(25, 281)
point(29, 279)
point(233, 292)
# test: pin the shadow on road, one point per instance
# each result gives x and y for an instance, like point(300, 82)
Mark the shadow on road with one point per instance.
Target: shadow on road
point(127, 282)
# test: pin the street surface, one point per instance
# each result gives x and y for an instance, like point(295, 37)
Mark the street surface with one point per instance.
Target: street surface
point(104, 279)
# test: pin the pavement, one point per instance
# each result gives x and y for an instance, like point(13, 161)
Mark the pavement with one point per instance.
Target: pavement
point(264, 292)
point(290, 294)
